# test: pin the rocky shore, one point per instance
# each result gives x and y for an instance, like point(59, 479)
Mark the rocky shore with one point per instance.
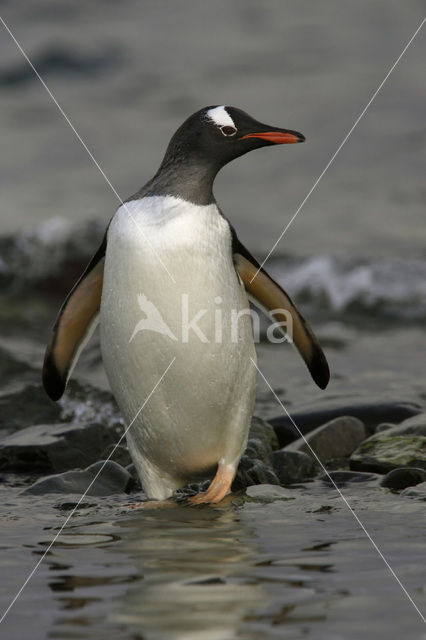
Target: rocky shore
point(59, 448)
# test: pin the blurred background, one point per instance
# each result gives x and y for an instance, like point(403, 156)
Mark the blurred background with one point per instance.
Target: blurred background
point(127, 74)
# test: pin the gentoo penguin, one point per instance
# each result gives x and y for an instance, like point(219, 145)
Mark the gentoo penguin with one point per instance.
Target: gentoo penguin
point(170, 248)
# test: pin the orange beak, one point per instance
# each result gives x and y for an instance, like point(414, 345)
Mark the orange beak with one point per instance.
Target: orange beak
point(276, 137)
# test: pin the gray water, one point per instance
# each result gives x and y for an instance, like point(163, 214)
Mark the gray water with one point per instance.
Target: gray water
point(290, 569)
point(127, 74)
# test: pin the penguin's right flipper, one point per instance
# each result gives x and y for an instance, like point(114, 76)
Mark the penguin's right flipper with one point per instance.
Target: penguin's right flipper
point(76, 321)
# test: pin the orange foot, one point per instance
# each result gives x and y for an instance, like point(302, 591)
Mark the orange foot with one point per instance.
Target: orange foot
point(218, 488)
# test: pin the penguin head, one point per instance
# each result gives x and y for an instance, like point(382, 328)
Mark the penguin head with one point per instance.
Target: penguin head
point(205, 143)
point(216, 135)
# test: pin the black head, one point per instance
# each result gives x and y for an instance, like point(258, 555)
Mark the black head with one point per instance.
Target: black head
point(204, 143)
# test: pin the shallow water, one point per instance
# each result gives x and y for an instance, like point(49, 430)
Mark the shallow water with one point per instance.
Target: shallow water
point(127, 74)
point(289, 569)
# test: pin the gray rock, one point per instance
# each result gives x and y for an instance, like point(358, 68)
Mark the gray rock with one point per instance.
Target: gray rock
point(343, 478)
point(112, 479)
point(25, 407)
point(293, 466)
point(258, 449)
point(119, 454)
point(269, 493)
point(251, 472)
point(256, 464)
point(335, 439)
point(56, 447)
point(419, 491)
point(132, 470)
point(137, 486)
point(385, 451)
point(338, 464)
point(371, 413)
point(412, 426)
point(262, 430)
point(401, 478)
point(23, 404)
point(384, 426)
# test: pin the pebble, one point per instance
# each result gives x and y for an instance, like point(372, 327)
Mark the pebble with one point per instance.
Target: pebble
point(384, 451)
point(55, 447)
point(256, 464)
point(403, 477)
point(419, 491)
point(293, 466)
point(343, 478)
point(269, 493)
point(370, 413)
point(253, 472)
point(384, 426)
point(113, 478)
point(117, 453)
point(413, 426)
point(264, 431)
point(335, 439)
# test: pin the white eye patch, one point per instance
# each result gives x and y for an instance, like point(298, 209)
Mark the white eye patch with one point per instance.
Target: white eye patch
point(221, 117)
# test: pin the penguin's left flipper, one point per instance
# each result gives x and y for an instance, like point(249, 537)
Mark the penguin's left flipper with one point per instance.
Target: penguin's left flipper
point(272, 299)
point(76, 321)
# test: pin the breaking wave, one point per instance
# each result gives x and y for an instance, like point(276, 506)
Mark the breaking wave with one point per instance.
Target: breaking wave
point(390, 287)
point(384, 287)
point(46, 253)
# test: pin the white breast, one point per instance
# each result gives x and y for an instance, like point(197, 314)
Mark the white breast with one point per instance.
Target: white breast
point(168, 260)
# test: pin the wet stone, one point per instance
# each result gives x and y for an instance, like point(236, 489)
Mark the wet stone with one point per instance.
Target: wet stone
point(264, 431)
point(384, 426)
point(383, 452)
point(344, 478)
point(415, 425)
point(269, 493)
point(252, 472)
point(293, 466)
point(132, 470)
point(255, 466)
point(338, 464)
point(119, 454)
point(335, 439)
point(370, 413)
point(419, 491)
point(56, 447)
point(258, 449)
point(112, 479)
point(398, 479)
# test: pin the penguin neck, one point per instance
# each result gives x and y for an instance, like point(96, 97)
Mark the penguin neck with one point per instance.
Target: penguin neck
point(188, 178)
point(184, 175)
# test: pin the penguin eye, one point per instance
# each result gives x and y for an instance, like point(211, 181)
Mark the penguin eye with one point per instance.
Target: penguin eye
point(227, 130)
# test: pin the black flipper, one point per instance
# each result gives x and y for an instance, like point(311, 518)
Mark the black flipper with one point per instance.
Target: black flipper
point(74, 325)
point(268, 294)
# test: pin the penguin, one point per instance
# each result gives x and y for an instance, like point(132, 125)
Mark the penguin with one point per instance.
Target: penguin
point(170, 253)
